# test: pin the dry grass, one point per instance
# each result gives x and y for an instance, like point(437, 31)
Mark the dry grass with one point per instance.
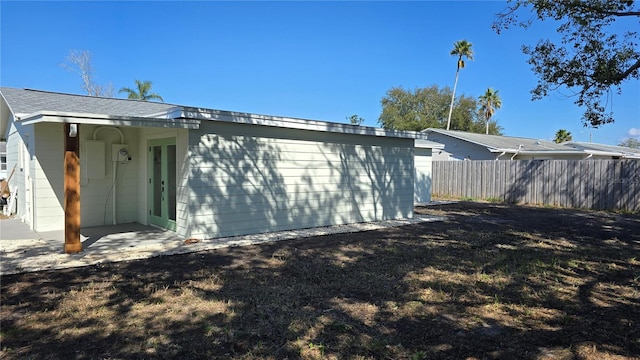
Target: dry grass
point(492, 282)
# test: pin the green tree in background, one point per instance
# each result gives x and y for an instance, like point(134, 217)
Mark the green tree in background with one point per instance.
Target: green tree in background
point(562, 135)
point(355, 119)
point(424, 108)
point(489, 102)
point(414, 110)
point(461, 49)
point(143, 92)
point(630, 143)
point(598, 50)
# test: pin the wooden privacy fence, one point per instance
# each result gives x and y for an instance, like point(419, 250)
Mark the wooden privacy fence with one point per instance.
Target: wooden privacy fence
point(588, 184)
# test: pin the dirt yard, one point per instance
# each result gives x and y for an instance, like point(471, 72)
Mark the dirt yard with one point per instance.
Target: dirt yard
point(490, 282)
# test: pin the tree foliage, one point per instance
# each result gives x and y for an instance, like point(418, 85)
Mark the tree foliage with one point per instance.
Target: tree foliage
point(489, 102)
point(142, 92)
point(355, 119)
point(424, 108)
point(461, 49)
point(80, 62)
point(593, 58)
point(562, 135)
point(630, 143)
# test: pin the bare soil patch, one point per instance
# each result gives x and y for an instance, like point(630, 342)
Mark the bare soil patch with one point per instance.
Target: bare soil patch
point(491, 282)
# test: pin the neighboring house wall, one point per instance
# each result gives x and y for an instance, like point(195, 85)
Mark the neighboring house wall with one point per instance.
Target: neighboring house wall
point(455, 149)
point(423, 161)
point(250, 179)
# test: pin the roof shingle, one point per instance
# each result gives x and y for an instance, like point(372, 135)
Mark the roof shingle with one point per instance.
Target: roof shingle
point(27, 101)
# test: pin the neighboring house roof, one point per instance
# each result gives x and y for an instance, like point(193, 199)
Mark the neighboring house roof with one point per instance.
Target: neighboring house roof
point(527, 146)
point(622, 151)
point(507, 144)
point(33, 106)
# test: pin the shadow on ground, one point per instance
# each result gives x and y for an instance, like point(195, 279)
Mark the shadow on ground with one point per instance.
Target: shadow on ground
point(491, 282)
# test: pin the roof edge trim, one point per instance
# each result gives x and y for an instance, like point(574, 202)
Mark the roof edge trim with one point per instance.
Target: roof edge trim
point(290, 123)
point(101, 119)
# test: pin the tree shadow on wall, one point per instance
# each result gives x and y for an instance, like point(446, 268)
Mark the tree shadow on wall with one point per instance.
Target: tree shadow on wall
point(242, 181)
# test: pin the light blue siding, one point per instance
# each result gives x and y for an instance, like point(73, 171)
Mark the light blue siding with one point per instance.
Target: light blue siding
point(247, 179)
point(423, 163)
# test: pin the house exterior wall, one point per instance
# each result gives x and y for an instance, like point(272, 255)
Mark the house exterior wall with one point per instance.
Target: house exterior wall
point(245, 179)
point(455, 149)
point(16, 150)
point(3, 160)
point(47, 172)
point(182, 174)
point(422, 163)
point(39, 176)
point(97, 192)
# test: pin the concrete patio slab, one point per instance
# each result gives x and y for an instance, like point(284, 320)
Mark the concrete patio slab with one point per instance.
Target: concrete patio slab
point(23, 250)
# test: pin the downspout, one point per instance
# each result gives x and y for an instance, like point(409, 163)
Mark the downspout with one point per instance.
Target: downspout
point(517, 151)
point(588, 156)
point(115, 165)
point(500, 155)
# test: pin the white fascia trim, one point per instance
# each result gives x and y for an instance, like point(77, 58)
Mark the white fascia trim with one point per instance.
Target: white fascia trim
point(508, 151)
point(426, 144)
point(289, 123)
point(101, 119)
point(613, 153)
point(551, 152)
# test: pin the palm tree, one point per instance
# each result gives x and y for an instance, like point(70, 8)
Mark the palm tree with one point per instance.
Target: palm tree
point(460, 48)
point(143, 92)
point(562, 135)
point(489, 102)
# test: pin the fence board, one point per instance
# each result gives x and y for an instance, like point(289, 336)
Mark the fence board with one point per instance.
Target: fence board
point(592, 184)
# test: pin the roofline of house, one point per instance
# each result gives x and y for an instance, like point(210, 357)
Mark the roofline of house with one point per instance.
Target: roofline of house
point(101, 119)
point(191, 118)
point(285, 122)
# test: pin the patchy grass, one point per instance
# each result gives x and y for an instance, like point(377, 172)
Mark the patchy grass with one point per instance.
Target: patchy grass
point(491, 282)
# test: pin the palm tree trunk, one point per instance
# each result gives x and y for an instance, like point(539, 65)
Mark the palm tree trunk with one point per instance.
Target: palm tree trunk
point(487, 132)
point(453, 97)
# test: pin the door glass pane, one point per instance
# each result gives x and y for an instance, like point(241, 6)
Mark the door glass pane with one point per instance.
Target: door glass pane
point(171, 180)
point(157, 180)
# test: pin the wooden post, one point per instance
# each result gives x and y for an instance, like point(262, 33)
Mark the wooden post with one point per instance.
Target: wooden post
point(72, 243)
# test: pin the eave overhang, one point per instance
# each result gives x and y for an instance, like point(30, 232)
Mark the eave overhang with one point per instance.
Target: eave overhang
point(101, 119)
point(285, 122)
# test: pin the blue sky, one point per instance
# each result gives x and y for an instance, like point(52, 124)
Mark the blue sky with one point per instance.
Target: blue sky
point(312, 60)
